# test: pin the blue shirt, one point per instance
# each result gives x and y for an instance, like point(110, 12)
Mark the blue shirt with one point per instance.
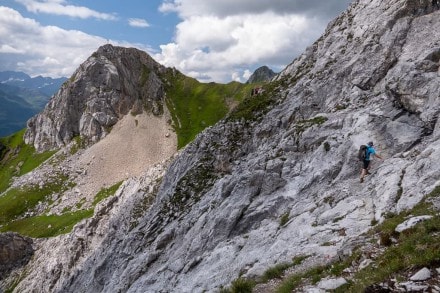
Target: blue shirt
point(370, 151)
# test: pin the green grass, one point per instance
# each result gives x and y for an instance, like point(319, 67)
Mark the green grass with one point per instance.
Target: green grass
point(195, 106)
point(252, 108)
point(18, 153)
point(275, 272)
point(240, 285)
point(284, 219)
point(17, 201)
point(47, 226)
point(106, 192)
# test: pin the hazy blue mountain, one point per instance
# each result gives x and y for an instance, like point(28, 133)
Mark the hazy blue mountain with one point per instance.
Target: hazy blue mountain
point(22, 96)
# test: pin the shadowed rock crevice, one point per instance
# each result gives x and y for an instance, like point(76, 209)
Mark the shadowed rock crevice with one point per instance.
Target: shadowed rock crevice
point(15, 252)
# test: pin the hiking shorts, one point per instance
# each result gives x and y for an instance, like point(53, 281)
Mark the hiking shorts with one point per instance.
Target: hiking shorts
point(366, 164)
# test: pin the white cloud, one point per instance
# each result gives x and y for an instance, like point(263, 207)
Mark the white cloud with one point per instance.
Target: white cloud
point(44, 50)
point(60, 7)
point(4, 48)
point(225, 40)
point(220, 47)
point(222, 8)
point(137, 22)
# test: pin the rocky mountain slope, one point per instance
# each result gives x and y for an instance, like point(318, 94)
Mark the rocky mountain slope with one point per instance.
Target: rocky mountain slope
point(278, 178)
point(109, 85)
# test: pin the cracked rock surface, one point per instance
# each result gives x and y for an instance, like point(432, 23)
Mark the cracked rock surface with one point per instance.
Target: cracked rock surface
point(213, 213)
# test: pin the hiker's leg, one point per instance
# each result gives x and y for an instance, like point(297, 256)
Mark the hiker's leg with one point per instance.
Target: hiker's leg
point(363, 172)
point(364, 169)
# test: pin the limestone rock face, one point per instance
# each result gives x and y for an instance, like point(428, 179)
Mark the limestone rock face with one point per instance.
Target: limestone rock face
point(247, 194)
point(110, 84)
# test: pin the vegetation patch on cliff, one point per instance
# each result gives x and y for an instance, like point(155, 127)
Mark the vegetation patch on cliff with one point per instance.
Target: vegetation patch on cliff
point(106, 192)
point(47, 225)
point(195, 106)
point(17, 204)
point(18, 158)
point(254, 107)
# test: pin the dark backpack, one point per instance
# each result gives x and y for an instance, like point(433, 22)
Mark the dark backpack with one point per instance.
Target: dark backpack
point(362, 154)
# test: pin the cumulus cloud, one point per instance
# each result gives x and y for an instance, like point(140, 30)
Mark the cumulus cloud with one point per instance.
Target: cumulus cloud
point(60, 7)
point(224, 40)
point(188, 8)
point(43, 50)
point(138, 22)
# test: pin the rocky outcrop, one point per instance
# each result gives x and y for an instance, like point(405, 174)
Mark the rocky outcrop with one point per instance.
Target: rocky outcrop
point(111, 83)
point(262, 74)
point(279, 177)
point(15, 252)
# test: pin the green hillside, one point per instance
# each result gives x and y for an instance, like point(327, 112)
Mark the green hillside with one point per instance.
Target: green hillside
point(17, 158)
point(195, 105)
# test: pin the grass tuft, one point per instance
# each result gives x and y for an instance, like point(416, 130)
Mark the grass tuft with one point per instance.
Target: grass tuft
point(106, 192)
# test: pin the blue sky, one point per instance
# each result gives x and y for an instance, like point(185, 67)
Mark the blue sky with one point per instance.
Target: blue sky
point(211, 40)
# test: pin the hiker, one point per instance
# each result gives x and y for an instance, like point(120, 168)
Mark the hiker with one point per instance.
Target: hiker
point(370, 151)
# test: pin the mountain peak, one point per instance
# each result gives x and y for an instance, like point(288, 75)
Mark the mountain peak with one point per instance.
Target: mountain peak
point(261, 74)
point(112, 82)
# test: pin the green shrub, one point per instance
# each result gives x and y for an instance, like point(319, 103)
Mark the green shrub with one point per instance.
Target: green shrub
point(327, 146)
point(106, 192)
point(284, 219)
point(275, 272)
point(242, 285)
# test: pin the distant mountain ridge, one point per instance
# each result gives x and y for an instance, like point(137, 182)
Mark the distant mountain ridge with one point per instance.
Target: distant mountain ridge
point(22, 96)
point(45, 85)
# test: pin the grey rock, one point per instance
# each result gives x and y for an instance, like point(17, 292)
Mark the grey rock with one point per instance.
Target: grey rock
point(422, 275)
point(411, 222)
point(331, 284)
point(110, 84)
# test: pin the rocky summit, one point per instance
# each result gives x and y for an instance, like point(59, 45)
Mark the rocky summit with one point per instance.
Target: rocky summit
point(276, 180)
point(261, 74)
point(113, 82)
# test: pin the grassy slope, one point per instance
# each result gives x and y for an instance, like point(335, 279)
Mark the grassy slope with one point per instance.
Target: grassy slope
point(17, 202)
point(195, 106)
point(18, 159)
